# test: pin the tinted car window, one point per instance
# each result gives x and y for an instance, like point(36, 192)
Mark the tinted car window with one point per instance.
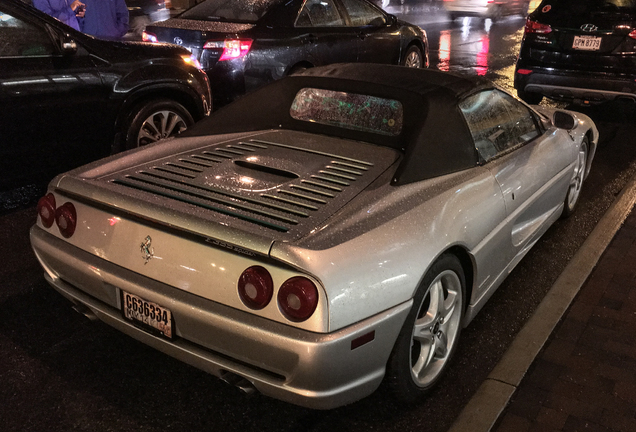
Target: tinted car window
point(229, 10)
point(21, 39)
point(497, 122)
point(362, 13)
point(348, 110)
point(585, 7)
point(319, 13)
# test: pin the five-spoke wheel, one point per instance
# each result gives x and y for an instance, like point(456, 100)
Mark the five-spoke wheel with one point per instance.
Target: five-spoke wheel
point(430, 334)
point(576, 183)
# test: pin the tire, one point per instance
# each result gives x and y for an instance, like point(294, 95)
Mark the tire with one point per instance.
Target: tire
point(297, 69)
point(530, 98)
point(413, 57)
point(155, 120)
point(428, 339)
point(576, 183)
point(496, 15)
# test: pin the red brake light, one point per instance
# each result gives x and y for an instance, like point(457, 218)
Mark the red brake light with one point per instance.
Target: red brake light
point(232, 48)
point(66, 219)
point(298, 298)
point(524, 71)
point(46, 210)
point(255, 287)
point(149, 37)
point(535, 27)
point(632, 34)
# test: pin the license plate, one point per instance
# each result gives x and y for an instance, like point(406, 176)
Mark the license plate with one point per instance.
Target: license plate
point(149, 315)
point(588, 43)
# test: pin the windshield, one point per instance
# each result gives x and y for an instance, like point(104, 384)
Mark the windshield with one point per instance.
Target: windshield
point(247, 11)
point(348, 110)
point(586, 7)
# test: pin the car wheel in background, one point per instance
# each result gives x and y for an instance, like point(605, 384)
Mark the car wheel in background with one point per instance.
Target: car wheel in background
point(155, 120)
point(574, 191)
point(413, 57)
point(430, 334)
point(497, 14)
point(529, 97)
point(298, 69)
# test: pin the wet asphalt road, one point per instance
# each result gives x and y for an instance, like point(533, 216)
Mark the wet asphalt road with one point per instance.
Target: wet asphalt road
point(60, 372)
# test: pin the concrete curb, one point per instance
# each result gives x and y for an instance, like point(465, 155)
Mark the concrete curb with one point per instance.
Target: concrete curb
point(492, 397)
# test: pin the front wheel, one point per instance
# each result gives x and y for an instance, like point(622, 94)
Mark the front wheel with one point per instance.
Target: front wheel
point(429, 336)
point(155, 120)
point(576, 184)
point(413, 57)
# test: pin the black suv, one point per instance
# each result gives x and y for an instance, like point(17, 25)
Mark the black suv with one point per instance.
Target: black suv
point(68, 98)
point(578, 51)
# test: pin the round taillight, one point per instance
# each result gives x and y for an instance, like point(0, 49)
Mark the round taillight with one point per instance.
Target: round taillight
point(46, 210)
point(255, 287)
point(66, 219)
point(298, 298)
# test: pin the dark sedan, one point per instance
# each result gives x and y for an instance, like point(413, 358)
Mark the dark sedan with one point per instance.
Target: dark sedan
point(580, 51)
point(243, 45)
point(68, 98)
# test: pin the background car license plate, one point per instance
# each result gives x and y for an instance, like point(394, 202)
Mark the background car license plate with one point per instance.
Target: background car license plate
point(589, 43)
point(149, 315)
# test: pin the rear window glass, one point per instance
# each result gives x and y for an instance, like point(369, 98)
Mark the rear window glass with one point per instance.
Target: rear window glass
point(248, 11)
point(349, 111)
point(586, 7)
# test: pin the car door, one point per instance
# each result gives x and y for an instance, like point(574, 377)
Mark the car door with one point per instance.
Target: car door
point(531, 167)
point(378, 41)
point(50, 100)
point(325, 33)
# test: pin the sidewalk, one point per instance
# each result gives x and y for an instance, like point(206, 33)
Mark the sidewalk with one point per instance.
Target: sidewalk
point(573, 365)
point(585, 378)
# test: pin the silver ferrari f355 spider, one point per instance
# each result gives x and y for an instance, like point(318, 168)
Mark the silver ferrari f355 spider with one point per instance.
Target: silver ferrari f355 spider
point(329, 232)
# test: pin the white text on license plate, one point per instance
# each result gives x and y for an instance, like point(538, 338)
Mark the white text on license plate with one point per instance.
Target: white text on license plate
point(147, 313)
point(589, 43)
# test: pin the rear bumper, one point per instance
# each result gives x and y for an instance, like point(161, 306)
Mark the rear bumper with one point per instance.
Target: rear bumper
point(319, 371)
point(576, 86)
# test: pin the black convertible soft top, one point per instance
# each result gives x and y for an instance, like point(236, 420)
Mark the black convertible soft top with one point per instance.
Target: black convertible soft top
point(435, 138)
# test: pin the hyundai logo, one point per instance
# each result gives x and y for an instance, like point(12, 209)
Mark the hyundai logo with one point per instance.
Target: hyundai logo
point(589, 28)
point(178, 41)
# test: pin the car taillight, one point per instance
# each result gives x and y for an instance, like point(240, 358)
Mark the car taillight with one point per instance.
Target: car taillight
point(46, 210)
point(232, 48)
point(535, 27)
point(524, 71)
point(149, 37)
point(298, 298)
point(632, 34)
point(66, 219)
point(255, 287)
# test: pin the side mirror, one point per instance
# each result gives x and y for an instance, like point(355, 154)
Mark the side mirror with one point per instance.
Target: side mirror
point(391, 20)
point(563, 120)
point(69, 46)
